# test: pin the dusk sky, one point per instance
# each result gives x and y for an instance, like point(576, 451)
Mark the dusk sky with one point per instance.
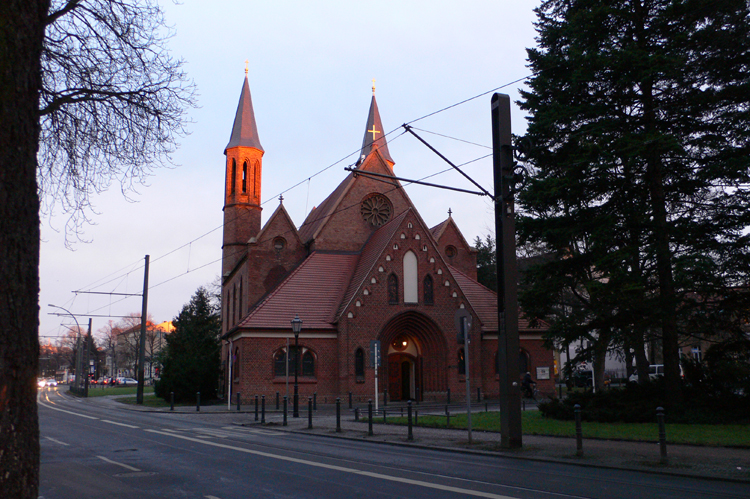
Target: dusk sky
point(311, 66)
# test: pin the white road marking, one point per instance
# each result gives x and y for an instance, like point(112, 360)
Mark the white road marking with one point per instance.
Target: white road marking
point(211, 497)
point(419, 483)
point(120, 424)
point(57, 441)
point(67, 412)
point(118, 464)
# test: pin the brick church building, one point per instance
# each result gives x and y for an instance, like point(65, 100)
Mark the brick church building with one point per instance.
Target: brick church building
point(363, 266)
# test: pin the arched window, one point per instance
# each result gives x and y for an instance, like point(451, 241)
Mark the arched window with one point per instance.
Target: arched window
point(359, 363)
point(461, 362)
point(244, 176)
point(308, 364)
point(523, 362)
point(279, 365)
point(429, 296)
point(256, 167)
point(411, 290)
point(233, 182)
point(393, 289)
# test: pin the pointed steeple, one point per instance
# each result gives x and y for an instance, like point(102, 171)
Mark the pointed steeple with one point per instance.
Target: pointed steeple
point(244, 131)
point(374, 133)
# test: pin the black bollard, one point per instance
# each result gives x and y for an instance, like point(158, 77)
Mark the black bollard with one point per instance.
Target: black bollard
point(449, 396)
point(285, 404)
point(263, 409)
point(369, 417)
point(198, 401)
point(385, 421)
point(356, 414)
point(479, 394)
point(486, 407)
point(447, 417)
point(171, 401)
point(277, 401)
point(579, 432)
point(309, 413)
point(416, 417)
point(256, 408)
point(238, 401)
point(385, 397)
point(338, 415)
point(662, 436)
point(350, 400)
point(315, 401)
point(408, 412)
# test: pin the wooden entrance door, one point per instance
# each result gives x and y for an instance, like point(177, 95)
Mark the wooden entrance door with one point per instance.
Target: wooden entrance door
point(394, 377)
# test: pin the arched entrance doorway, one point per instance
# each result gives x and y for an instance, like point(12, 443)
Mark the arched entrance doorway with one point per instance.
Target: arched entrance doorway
point(415, 350)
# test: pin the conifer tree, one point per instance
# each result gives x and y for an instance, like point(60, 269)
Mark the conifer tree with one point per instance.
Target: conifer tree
point(640, 121)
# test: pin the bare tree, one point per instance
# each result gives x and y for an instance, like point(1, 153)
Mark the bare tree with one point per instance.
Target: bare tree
point(94, 82)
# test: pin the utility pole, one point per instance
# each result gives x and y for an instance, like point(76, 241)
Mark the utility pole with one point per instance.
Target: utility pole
point(508, 346)
point(89, 345)
point(142, 345)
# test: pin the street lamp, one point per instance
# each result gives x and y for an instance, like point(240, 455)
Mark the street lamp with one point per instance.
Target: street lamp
point(296, 328)
point(78, 347)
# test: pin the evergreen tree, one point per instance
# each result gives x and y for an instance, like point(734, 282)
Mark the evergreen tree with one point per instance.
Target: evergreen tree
point(191, 360)
point(640, 120)
point(486, 266)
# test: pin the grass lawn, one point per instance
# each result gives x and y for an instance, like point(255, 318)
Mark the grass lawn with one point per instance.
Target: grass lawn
point(97, 391)
point(534, 424)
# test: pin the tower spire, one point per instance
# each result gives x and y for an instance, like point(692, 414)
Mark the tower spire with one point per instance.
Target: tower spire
point(244, 130)
point(374, 133)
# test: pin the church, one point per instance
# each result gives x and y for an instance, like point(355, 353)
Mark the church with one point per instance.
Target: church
point(363, 267)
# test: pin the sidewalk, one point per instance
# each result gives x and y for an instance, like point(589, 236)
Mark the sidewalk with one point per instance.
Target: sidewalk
point(724, 463)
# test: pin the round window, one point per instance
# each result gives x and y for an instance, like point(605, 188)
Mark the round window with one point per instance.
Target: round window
point(376, 209)
point(450, 251)
point(279, 243)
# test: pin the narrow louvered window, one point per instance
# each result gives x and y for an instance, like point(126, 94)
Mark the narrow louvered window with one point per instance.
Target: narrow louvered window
point(429, 296)
point(393, 289)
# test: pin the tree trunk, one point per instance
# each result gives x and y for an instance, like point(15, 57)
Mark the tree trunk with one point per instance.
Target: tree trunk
point(21, 39)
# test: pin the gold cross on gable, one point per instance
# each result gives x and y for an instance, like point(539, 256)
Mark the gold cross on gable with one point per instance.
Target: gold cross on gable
point(373, 131)
point(373, 86)
point(246, 62)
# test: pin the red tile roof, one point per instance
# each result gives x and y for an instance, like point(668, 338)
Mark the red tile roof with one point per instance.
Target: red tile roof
point(371, 251)
point(314, 291)
point(482, 300)
point(317, 217)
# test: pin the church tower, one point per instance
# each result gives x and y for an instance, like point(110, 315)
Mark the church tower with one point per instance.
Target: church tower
point(243, 180)
point(374, 133)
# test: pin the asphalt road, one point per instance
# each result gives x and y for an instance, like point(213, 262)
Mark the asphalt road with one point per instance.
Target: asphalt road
point(95, 451)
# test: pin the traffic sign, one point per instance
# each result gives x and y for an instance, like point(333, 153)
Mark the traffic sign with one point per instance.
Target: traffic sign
point(375, 353)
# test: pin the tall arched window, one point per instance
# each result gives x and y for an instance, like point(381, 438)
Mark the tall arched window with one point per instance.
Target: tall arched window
point(523, 362)
point(244, 177)
point(359, 363)
point(393, 289)
point(411, 290)
point(429, 295)
point(308, 364)
point(233, 182)
point(256, 167)
point(461, 362)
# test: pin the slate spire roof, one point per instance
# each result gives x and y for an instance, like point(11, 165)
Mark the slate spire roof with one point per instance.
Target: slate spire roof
point(244, 130)
point(374, 134)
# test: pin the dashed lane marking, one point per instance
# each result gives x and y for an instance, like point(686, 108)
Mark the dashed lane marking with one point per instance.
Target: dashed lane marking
point(120, 424)
point(127, 467)
point(57, 441)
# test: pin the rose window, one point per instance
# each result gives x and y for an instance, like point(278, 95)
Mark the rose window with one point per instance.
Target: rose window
point(376, 210)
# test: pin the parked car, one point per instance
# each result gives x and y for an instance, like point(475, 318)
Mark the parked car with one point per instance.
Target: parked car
point(125, 382)
point(654, 371)
point(581, 379)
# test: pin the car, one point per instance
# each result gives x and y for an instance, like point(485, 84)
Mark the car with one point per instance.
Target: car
point(581, 379)
point(126, 381)
point(654, 371)
point(51, 382)
point(41, 383)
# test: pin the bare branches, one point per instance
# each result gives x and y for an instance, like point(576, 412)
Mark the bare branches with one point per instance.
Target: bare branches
point(113, 103)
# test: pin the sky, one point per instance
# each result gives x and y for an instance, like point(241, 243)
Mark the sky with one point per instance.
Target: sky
point(310, 70)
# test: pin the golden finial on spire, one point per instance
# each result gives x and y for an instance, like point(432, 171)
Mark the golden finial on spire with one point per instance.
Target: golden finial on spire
point(246, 63)
point(373, 86)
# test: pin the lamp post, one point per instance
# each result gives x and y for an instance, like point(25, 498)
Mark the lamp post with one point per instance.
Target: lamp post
point(296, 328)
point(78, 345)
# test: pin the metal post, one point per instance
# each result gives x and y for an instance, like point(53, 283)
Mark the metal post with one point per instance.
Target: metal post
point(263, 409)
point(385, 416)
point(256, 408)
point(356, 414)
point(309, 413)
point(417, 390)
point(142, 343)
point(408, 410)
point(579, 432)
point(449, 396)
point(238, 401)
point(171, 401)
point(507, 296)
point(369, 418)
point(285, 404)
point(385, 397)
point(447, 417)
point(350, 400)
point(198, 401)
point(662, 436)
point(315, 401)
point(338, 415)
point(479, 395)
point(416, 416)
point(277, 401)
